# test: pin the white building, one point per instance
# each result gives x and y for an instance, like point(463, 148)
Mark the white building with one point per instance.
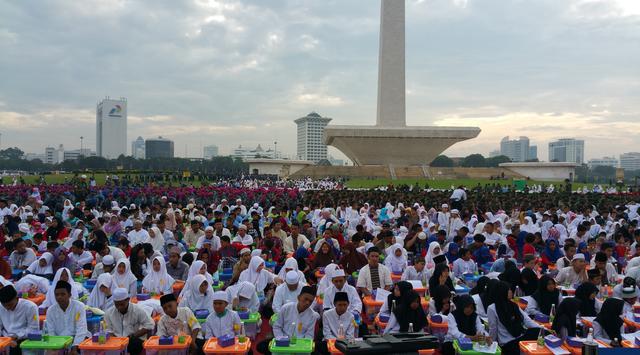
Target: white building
point(630, 161)
point(34, 156)
point(606, 161)
point(76, 153)
point(248, 153)
point(209, 152)
point(111, 128)
point(515, 149)
point(567, 150)
point(137, 148)
point(494, 153)
point(54, 155)
point(310, 143)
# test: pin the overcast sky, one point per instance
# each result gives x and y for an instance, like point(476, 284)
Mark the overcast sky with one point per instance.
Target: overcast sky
point(239, 72)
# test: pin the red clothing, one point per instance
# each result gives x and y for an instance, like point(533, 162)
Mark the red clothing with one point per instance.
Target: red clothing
point(545, 260)
point(621, 251)
point(528, 249)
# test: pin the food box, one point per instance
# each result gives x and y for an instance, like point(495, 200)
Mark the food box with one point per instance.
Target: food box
point(552, 341)
point(282, 341)
point(165, 340)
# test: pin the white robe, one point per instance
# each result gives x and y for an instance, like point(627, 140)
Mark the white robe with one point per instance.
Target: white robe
point(331, 322)
point(70, 322)
point(305, 322)
point(216, 326)
point(21, 321)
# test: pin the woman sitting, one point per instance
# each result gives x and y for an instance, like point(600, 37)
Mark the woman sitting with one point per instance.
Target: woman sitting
point(608, 325)
point(463, 322)
point(408, 316)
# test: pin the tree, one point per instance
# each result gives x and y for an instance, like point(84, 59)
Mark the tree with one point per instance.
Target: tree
point(442, 161)
point(473, 161)
point(494, 162)
point(11, 153)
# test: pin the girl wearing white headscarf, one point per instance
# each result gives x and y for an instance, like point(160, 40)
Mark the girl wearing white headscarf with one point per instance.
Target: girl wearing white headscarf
point(32, 284)
point(158, 280)
point(195, 299)
point(198, 267)
point(291, 264)
point(155, 238)
point(100, 296)
point(124, 278)
point(528, 226)
point(433, 251)
point(256, 274)
point(325, 282)
point(65, 275)
point(244, 294)
point(42, 267)
point(396, 263)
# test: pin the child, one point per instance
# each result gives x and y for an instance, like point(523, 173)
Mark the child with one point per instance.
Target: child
point(338, 316)
point(178, 320)
point(528, 247)
point(528, 275)
point(463, 322)
point(481, 254)
point(396, 259)
point(226, 249)
point(409, 311)
point(608, 325)
point(545, 297)
point(416, 271)
point(564, 323)
point(80, 258)
point(586, 294)
point(157, 280)
point(40, 246)
point(464, 264)
point(222, 321)
point(441, 304)
point(42, 267)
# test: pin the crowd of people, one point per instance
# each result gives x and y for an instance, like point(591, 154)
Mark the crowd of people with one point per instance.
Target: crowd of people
point(495, 267)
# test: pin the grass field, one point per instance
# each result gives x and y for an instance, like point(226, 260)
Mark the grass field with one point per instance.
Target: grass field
point(353, 183)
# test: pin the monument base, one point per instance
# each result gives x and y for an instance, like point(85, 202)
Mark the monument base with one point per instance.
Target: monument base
point(404, 146)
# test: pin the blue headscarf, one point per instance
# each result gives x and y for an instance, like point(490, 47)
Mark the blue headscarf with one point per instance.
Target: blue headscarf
point(554, 255)
point(452, 253)
point(583, 245)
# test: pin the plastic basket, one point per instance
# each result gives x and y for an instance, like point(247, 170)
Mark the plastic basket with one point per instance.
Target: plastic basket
point(53, 345)
point(113, 346)
point(152, 346)
point(211, 347)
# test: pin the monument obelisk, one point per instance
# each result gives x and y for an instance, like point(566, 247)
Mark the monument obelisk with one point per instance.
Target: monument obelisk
point(391, 141)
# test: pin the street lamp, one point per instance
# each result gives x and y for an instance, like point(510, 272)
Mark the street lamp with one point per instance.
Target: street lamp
point(81, 146)
point(275, 150)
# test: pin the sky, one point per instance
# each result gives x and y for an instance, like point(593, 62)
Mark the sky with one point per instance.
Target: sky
point(234, 72)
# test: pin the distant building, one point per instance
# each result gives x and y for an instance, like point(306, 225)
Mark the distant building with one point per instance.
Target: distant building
point(111, 128)
point(34, 156)
point(77, 153)
point(517, 149)
point(209, 152)
point(54, 155)
point(158, 148)
point(248, 153)
point(567, 150)
point(630, 161)
point(137, 148)
point(335, 162)
point(310, 142)
point(533, 152)
point(494, 153)
point(606, 161)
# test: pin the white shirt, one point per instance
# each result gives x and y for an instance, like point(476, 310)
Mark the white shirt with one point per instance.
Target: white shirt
point(18, 261)
point(216, 326)
point(331, 322)
point(123, 325)
point(21, 321)
point(137, 237)
point(600, 334)
point(302, 241)
point(454, 333)
point(80, 260)
point(410, 273)
point(70, 322)
point(364, 277)
point(532, 305)
point(458, 195)
point(215, 242)
point(305, 322)
point(498, 332)
point(283, 295)
point(116, 252)
point(568, 275)
point(480, 310)
point(355, 304)
point(246, 240)
point(461, 267)
point(168, 326)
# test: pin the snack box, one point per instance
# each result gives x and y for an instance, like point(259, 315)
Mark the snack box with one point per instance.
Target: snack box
point(552, 341)
point(542, 318)
point(165, 340)
point(35, 335)
point(575, 342)
point(282, 341)
point(201, 313)
point(226, 340)
point(243, 314)
point(465, 344)
point(143, 296)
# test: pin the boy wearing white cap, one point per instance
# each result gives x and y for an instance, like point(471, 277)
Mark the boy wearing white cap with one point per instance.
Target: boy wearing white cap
point(126, 319)
point(574, 274)
point(222, 321)
point(242, 237)
point(339, 284)
point(288, 291)
point(106, 266)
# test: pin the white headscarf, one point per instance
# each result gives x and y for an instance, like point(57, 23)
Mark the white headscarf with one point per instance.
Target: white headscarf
point(248, 291)
point(97, 298)
point(528, 226)
point(325, 282)
point(195, 299)
point(27, 282)
point(195, 269)
point(157, 241)
point(124, 280)
point(396, 263)
point(50, 300)
point(258, 278)
point(35, 267)
point(430, 254)
point(158, 281)
point(291, 264)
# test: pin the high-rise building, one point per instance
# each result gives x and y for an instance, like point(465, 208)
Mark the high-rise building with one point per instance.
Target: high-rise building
point(494, 153)
point(533, 152)
point(569, 150)
point(77, 153)
point(158, 148)
point(310, 143)
point(630, 161)
point(606, 161)
point(137, 148)
point(111, 128)
point(515, 149)
point(210, 151)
